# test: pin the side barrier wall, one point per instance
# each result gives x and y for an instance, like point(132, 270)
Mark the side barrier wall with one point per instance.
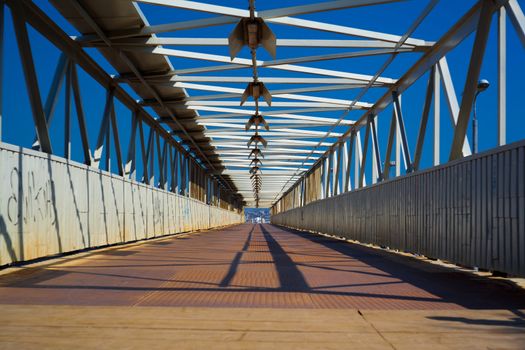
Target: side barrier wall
point(49, 205)
point(470, 212)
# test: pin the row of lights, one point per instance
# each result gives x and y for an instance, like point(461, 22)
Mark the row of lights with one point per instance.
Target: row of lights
point(252, 32)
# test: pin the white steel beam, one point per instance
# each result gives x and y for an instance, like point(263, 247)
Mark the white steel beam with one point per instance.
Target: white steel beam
point(288, 143)
point(272, 132)
point(269, 16)
point(285, 11)
point(276, 93)
point(295, 124)
point(270, 149)
point(358, 105)
point(249, 63)
point(310, 43)
point(275, 114)
point(179, 79)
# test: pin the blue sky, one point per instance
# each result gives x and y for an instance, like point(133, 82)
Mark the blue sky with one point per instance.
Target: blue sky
point(392, 18)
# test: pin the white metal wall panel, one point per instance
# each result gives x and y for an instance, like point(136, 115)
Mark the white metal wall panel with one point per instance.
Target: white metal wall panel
point(470, 212)
point(50, 206)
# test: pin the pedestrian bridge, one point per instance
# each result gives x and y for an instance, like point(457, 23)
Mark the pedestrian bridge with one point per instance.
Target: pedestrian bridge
point(384, 138)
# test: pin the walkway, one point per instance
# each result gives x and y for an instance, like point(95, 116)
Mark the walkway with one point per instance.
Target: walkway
point(237, 285)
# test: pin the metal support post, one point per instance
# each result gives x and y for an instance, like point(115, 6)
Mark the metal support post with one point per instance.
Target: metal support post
point(326, 177)
point(67, 115)
point(116, 141)
point(437, 117)
point(365, 152)
point(80, 115)
point(130, 167)
point(402, 132)
point(26, 57)
point(103, 131)
point(502, 77)
point(143, 152)
point(375, 144)
point(358, 158)
point(388, 156)
point(471, 83)
point(2, 7)
point(424, 119)
point(350, 152)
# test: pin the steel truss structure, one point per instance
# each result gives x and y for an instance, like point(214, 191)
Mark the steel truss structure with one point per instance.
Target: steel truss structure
point(331, 173)
point(309, 156)
point(165, 163)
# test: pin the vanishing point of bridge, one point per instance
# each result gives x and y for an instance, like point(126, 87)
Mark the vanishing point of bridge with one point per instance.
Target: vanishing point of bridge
point(384, 137)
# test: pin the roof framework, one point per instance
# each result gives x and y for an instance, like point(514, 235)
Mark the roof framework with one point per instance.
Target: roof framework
point(196, 91)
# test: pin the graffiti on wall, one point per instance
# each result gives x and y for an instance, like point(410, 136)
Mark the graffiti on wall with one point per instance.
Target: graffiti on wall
point(30, 201)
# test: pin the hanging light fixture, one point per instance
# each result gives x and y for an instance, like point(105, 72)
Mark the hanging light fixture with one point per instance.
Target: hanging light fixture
point(254, 32)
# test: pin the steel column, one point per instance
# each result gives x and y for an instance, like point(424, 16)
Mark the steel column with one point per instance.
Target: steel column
point(471, 83)
point(116, 141)
point(365, 152)
point(28, 66)
point(325, 178)
point(424, 118)
point(143, 152)
point(103, 131)
point(437, 117)
point(358, 157)
point(67, 114)
point(388, 155)
point(350, 152)
point(401, 127)
point(502, 77)
point(375, 144)
point(80, 115)
point(130, 167)
point(2, 7)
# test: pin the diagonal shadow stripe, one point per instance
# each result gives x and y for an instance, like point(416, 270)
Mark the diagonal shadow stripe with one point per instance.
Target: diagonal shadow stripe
point(290, 278)
point(236, 261)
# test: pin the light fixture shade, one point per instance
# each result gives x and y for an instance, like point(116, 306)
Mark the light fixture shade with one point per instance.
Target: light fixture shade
point(483, 85)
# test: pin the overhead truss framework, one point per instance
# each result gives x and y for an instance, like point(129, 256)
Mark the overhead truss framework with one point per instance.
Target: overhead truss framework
point(346, 159)
point(322, 126)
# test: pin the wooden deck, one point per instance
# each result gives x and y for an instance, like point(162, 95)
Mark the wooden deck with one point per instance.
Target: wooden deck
point(254, 286)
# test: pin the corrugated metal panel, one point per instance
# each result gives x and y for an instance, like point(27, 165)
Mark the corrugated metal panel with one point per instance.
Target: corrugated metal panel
point(51, 205)
point(470, 212)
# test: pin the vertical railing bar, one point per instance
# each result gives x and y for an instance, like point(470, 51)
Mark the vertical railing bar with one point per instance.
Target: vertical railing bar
point(437, 117)
point(129, 168)
point(502, 77)
point(116, 141)
point(424, 119)
point(67, 114)
point(401, 125)
point(104, 125)
point(375, 143)
point(363, 159)
point(88, 159)
point(389, 146)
